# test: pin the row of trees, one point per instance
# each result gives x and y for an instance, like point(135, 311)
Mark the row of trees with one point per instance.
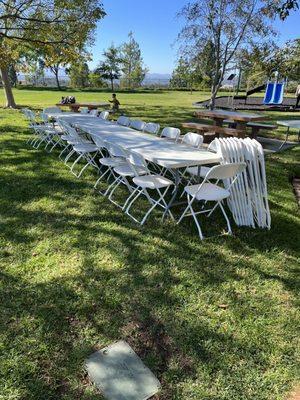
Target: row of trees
point(218, 33)
point(58, 33)
point(255, 63)
point(124, 61)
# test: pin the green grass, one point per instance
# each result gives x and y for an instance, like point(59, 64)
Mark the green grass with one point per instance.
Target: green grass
point(214, 320)
point(166, 107)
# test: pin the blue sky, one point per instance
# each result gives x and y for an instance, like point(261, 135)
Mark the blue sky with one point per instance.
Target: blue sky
point(156, 27)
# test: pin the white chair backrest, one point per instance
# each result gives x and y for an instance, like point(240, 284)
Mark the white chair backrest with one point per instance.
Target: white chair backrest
point(170, 133)
point(68, 128)
point(115, 150)
point(124, 121)
point(84, 110)
point(137, 161)
point(225, 171)
point(44, 117)
point(104, 114)
point(137, 124)
point(94, 113)
point(152, 127)
point(53, 110)
point(98, 141)
point(31, 116)
point(25, 111)
point(192, 139)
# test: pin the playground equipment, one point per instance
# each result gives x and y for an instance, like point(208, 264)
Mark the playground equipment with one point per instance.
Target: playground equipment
point(274, 93)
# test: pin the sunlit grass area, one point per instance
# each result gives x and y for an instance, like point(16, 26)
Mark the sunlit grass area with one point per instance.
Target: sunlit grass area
point(214, 320)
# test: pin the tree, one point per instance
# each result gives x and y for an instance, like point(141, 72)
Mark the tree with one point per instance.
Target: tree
point(12, 73)
point(257, 63)
point(110, 68)
point(261, 60)
point(79, 75)
point(228, 25)
point(96, 80)
point(132, 65)
point(285, 8)
point(181, 76)
point(34, 24)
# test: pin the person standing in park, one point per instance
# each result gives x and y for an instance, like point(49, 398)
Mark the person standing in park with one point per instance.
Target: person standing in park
point(115, 103)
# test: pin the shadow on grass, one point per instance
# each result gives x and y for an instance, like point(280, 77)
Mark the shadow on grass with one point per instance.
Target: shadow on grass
point(158, 287)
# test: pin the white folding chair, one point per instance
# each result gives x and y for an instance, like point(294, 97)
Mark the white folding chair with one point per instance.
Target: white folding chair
point(152, 127)
point(145, 182)
point(72, 138)
point(122, 171)
point(94, 113)
point(43, 131)
point(109, 162)
point(137, 124)
point(87, 152)
point(207, 191)
point(124, 121)
point(104, 115)
point(170, 133)
point(197, 172)
point(84, 110)
point(192, 139)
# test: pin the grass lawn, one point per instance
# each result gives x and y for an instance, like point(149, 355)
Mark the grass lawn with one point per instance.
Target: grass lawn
point(214, 320)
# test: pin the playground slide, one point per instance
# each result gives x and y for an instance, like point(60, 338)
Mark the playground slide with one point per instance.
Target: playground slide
point(274, 93)
point(278, 93)
point(269, 93)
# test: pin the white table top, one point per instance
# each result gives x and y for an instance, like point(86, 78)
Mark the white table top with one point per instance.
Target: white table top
point(291, 123)
point(66, 114)
point(234, 115)
point(160, 151)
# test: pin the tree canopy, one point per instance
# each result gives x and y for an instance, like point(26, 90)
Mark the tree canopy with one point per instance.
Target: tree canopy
point(40, 25)
point(227, 25)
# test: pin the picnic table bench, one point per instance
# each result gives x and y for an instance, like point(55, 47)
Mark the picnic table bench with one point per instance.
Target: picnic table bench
point(255, 127)
point(212, 130)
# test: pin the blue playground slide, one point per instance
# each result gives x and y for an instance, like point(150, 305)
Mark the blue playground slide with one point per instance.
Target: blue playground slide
point(274, 93)
point(278, 93)
point(269, 93)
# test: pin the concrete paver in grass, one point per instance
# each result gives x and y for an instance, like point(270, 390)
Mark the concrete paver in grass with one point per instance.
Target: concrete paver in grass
point(120, 374)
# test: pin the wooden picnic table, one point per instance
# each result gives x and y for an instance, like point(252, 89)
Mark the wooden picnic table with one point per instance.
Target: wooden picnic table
point(91, 106)
point(240, 119)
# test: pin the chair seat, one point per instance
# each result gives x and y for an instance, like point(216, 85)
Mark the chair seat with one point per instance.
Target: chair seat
point(112, 162)
point(152, 181)
point(126, 170)
point(49, 131)
point(85, 148)
point(194, 171)
point(70, 139)
point(208, 192)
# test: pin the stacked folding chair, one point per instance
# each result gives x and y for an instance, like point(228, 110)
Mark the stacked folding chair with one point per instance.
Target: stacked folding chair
point(249, 197)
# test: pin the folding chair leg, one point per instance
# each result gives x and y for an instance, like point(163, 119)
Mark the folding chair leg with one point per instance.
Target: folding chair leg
point(196, 222)
point(227, 220)
point(101, 177)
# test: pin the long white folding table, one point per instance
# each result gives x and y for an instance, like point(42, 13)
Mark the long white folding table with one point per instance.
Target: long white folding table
point(165, 153)
point(160, 151)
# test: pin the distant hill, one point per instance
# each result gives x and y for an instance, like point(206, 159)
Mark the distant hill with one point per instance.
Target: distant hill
point(157, 78)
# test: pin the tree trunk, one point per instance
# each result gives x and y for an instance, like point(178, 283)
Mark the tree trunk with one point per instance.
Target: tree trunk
point(57, 79)
point(10, 101)
point(112, 85)
point(214, 92)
